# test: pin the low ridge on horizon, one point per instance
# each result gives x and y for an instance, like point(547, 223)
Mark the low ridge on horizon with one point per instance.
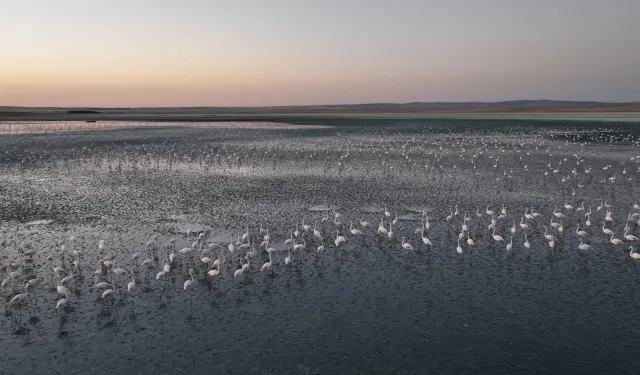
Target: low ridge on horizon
point(514, 102)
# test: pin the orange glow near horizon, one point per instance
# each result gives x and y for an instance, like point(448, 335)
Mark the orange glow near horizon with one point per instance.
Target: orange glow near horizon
point(212, 53)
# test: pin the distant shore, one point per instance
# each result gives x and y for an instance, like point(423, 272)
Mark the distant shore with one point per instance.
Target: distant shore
point(298, 118)
point(595, 112)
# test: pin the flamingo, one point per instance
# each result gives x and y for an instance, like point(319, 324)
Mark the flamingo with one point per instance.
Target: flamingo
point(245, 267)
point(300, 246)
point(632, 254)
point(355, 232)
point(18, 299)
point(239, 271)
point(547, 235)
point(425, 240)
point(132, 284)
point(584, 246)
point(526, 242)
point(215, 272)
point(497, 237)
point(107, 293)
point(381, 228)
point(629, 237)
point(321, 247)
point(305, 226)
point(287, 260)
point(339, 239)
point(616, 241)
point(406, 245)
point(469, 240)
point(363, 224)
point(61, 303)
point(579, 232)
point(265, 267)
point(523, 225)
point(606, 231)
point(510, 244)
point(559, 215)
point(527, 214)
point(289, 240)
point(189, 282)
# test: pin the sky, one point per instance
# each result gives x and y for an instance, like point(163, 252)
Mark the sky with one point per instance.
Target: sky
point(141, 53)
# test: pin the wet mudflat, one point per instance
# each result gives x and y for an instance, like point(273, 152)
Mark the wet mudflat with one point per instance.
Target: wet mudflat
point(451, 290)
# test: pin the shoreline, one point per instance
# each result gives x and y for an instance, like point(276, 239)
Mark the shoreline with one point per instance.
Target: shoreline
point(284, 117)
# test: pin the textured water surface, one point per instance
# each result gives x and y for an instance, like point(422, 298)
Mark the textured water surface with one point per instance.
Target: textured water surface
point(366, 306)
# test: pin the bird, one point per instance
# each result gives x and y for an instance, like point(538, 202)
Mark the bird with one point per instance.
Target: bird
point(267, 266)
point(107, 293)
point(188, 282)
point(584, 246)
point(132, 284)
point(579, 232)
point(355, 232)
point(19, 299)
point(61, 303)
point(237, 273)
point(425, 239)
point(214, 272)
point(629, 237)
point(287, 260)
point(406, 245)
point(497, 237)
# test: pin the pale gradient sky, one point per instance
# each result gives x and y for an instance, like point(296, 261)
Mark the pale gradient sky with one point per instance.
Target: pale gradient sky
point(279, 52)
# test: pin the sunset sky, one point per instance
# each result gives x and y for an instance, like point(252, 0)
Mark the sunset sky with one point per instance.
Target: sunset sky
point(135, 53)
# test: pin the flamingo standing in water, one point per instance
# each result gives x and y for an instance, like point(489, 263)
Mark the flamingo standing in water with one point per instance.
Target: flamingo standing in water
point(339, 239)
point(381, 228)
point(188, 283)
point(497, 237)
point(523, 225)
point(267, 266)
point(426, 240)
point(355, 232)
point(406, 245)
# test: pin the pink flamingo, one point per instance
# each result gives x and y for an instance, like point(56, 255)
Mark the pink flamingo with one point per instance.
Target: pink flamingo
point(406, 245)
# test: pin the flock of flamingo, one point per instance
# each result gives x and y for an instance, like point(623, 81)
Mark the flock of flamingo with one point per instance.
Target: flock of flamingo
point(211, 256)
point(254, 250)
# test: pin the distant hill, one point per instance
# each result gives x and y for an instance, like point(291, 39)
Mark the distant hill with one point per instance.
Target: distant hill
point(539, 102)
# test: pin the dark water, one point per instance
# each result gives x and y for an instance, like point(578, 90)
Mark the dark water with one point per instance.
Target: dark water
point(367, 307)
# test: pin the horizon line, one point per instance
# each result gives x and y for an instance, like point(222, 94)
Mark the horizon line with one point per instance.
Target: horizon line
point(341, 104)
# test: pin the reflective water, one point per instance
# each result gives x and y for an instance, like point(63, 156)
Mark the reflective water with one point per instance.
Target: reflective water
point(367, 306)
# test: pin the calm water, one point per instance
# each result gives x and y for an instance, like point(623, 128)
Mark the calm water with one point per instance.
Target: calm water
point(368, 306)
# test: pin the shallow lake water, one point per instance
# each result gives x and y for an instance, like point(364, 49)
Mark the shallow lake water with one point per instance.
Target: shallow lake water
point(374, 304)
